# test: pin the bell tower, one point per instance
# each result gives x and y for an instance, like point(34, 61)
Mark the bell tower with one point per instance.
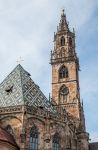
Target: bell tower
point(65, 68)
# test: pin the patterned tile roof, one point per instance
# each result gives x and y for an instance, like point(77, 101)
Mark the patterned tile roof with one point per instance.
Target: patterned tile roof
point(19, 89)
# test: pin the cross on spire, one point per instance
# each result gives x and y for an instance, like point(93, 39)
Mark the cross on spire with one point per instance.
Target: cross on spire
point(19, 60)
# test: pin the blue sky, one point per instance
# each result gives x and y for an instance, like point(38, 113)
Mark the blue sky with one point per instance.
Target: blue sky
point(26, 30)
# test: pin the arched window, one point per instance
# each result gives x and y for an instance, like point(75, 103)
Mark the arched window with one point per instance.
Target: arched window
point(56, 142)
point(34, 138)
point(63, 72)
point(62, 41)
point(63, 93)
point(70, 41)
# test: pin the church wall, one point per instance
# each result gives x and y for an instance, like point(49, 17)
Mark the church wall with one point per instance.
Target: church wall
point(40, 124)
point(70, 82)
point(71, 71)
point(47, 129)
point(15, 122)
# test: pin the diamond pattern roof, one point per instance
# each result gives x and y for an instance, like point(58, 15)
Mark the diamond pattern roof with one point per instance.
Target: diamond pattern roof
point(19, 89)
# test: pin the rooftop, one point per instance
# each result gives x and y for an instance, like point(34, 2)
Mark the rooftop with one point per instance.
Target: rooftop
point(19, 89)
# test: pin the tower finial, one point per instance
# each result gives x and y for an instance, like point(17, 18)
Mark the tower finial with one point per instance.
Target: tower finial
point(63, 25)
point(82, 102)
point(63, 13)
point(63, 10)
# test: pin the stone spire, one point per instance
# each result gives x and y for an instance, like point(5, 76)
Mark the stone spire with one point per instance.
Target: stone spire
point(63, 25)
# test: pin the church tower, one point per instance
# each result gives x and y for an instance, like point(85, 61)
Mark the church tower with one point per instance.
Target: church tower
point(65, 70)
point(34, 121)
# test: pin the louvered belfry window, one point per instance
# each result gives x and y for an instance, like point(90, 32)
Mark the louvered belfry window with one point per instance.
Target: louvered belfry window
point(63, 72)
point(62, 41)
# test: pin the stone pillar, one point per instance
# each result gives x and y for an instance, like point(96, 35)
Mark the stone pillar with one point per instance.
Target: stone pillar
point(83, 141)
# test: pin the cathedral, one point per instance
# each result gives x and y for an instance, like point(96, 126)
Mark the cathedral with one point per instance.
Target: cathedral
point(30, 121)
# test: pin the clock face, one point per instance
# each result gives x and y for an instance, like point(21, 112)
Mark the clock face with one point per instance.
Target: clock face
point(64, 90)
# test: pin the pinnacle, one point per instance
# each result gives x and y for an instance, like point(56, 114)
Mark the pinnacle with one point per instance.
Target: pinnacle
point(63, 25)
point(63, 10)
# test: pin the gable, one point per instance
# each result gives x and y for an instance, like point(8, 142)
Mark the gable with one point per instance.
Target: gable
point(19, 89)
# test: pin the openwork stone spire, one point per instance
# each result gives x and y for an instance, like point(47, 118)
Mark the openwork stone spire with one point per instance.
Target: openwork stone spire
point(63, 25)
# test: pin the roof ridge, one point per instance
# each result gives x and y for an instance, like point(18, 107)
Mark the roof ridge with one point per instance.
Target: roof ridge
point(21, 82)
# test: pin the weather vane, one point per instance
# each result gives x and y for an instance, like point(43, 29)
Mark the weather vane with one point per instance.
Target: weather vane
point(19, 61)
